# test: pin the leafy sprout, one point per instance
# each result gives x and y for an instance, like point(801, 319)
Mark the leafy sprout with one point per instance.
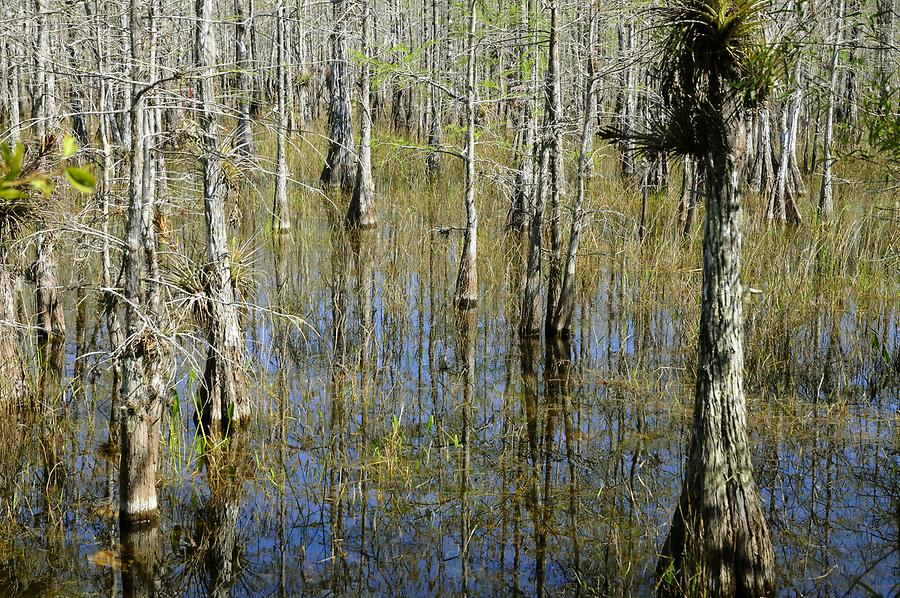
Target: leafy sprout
point(21, 180)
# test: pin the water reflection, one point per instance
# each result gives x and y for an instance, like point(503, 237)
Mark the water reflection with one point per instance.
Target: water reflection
point(402, 449)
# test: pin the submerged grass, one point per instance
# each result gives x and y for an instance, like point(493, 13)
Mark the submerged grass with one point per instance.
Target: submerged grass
point(366, 470)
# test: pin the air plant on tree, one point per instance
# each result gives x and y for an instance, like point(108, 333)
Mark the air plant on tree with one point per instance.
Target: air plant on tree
point(714, 66)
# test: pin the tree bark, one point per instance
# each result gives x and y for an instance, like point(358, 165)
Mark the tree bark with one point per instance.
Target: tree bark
point(433, 160)
point(789, 182)
point(530, 320)
point(224, 400)
point(140, 414)
point(12, 358)
point(718, 543)
point(557, 177)
point(561, 318)
point(826, 193)
point(361, 212)
point(244, 133)
point(339, 163)
point(281, 214)
point(467, 279)
point(523, 188)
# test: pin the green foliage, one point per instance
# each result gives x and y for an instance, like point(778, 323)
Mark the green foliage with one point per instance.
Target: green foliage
point(713, 58)
point(19, 180)
point(883, 121)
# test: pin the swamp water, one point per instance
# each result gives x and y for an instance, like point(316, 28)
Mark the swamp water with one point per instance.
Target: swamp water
point(398, 449)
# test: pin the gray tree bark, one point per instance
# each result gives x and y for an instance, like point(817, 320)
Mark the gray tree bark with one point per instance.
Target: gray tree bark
point(557, 176)
point(339, 163)
point(244, 133)
point(224, 399)
point(523, 188)
point(826, 193)
point(140, 415)
point(281, 214)
point(718, 543)
point(361, 211)
point(559, 321)
point(467, 279)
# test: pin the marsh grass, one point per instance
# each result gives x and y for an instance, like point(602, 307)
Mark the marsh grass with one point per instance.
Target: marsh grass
point(352, 475)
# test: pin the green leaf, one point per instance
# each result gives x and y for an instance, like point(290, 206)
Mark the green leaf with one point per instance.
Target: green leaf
point(81, 179)
point(69, 147)
point(10, 193)
point(12, 159)
point(42, 185)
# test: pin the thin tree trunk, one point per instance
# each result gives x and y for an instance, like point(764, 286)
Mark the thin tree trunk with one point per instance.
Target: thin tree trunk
point(530, 322)
point(433, 160)
point(339, 163)
point(281, 214)
point(140, 414)
point(557, 177)
point(561, 318)
point(826, 194)
point(244, 134)
point(467, 280)
point(361, 212)
point(789, 183)
point(523, 189)
point(12, 358)
point(224, 399)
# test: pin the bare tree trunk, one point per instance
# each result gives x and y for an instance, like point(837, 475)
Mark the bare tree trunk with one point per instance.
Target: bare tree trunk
point(244, 133)
point(762, 169)
point(51, 322)
point(687, 206)
point(281, 214)
point(718, 543)
point(826, 194)
point(523, 189)
point(789, 182)
point(467, 280)
point(225, 400)
point(140, 414)
point(433, 160)
point(530, 321)
point(339, 163)
point(12, 358)
point(562, 316)
point(557, 177)
point(361, 212)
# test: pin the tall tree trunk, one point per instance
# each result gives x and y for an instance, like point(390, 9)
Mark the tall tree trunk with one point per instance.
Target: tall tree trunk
point(140, 415)
point(467, 280)
point(244, 133)
point(718, 543)
point(789, 182)
point(762, 169)
point(281, 213)
point(225, 400)
point(530, 321)
point(435, 133)
point(687, 206)
point(12, 358)
point(826, 193)
point(557, 178)
point(51, 322)
point(339, 163)
point(560, 319)
point(361, 212)
point(523, 188)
